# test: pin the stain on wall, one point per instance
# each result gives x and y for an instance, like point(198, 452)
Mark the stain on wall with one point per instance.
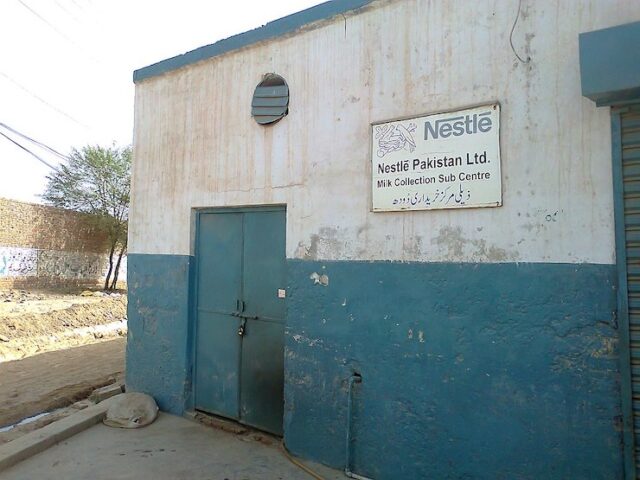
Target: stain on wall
point(451, 243)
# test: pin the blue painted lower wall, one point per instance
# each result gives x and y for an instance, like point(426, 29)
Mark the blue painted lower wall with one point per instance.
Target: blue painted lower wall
point(158, 341)
point(483, 371)
point(470, 371)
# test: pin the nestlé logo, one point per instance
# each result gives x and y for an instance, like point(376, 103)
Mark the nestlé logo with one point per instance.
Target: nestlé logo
point(456, 126)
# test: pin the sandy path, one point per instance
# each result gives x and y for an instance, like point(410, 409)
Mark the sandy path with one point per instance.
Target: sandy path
point(55, 379)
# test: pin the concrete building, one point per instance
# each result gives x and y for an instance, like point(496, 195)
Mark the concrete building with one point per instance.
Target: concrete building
point(469, 318)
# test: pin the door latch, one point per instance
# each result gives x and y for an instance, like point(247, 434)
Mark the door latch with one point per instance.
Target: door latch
point(243, 327)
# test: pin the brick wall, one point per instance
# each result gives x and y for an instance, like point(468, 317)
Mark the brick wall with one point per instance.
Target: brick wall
point(43, 246)
point(47, 228)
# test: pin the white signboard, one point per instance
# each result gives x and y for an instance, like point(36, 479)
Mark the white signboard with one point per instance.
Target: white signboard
point(447, 160)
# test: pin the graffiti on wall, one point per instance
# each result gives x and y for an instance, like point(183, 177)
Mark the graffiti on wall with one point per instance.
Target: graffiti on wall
point(70, 265)
point(30, 262)
point(18, 262)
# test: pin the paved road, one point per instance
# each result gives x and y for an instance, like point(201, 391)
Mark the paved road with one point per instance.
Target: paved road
point(56, 379)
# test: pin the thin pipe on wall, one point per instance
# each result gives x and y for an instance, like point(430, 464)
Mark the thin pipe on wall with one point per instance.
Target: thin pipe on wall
point(355, 378)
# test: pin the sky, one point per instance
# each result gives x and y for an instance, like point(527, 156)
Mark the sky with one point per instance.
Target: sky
point(66, 69)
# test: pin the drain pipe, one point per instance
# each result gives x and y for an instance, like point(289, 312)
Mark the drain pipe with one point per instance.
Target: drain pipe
point(354, 378)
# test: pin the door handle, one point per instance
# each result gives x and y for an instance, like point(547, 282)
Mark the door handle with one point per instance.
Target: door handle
point(240, 307)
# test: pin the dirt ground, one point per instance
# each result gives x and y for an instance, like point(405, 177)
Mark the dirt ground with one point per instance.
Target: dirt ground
point(35, 322)
point(57, 379)
point(55, 349)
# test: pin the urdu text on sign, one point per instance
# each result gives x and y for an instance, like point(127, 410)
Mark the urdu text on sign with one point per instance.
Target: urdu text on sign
point(446, 160)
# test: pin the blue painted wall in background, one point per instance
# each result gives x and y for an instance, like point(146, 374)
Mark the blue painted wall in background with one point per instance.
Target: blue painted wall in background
point(158, 353)
point(496, 371)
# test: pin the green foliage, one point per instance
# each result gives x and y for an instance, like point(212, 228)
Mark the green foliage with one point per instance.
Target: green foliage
point(96, 180)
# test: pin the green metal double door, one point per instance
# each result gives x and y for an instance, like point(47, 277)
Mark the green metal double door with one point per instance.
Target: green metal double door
point(239, 345)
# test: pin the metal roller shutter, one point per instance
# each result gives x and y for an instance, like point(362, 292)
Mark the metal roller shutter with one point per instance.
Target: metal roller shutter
point(630, 155)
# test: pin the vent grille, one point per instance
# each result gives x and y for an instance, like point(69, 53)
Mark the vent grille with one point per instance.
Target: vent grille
point(270, 100)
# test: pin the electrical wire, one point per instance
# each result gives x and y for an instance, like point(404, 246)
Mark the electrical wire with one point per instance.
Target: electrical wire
point(50, 25)
point(298, 463)
point(29, 151)
point(61, 7)
point(40, 99)
point(40, 144)
point(77, 4)
point(511, 36)
point(59, 32)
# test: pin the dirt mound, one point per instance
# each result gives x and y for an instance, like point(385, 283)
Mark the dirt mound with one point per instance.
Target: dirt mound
point(38, 322)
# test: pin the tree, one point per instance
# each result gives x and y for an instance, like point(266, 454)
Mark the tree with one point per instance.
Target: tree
point(97, 180)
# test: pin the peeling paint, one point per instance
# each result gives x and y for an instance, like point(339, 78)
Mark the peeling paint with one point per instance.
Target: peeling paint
point(303, 251)
point(307, 341)
point(319, 279)
point(324, 244)
point(607, 349)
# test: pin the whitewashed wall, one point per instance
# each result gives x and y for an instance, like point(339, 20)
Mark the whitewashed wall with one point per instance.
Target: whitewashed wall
point(197, 146)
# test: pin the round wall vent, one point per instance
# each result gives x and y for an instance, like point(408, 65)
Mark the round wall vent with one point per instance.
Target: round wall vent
point(270, 100)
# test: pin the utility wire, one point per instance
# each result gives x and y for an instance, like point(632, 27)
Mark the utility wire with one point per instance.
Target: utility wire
point(59, 32)
point(50, 25)
point(29, 151)
point(40, 144)
point(67, 11)
point(40, 99)
point(511, 36)
point(77, 4)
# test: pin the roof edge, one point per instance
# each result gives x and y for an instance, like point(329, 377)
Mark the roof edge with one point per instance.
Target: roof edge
point(271, 30)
